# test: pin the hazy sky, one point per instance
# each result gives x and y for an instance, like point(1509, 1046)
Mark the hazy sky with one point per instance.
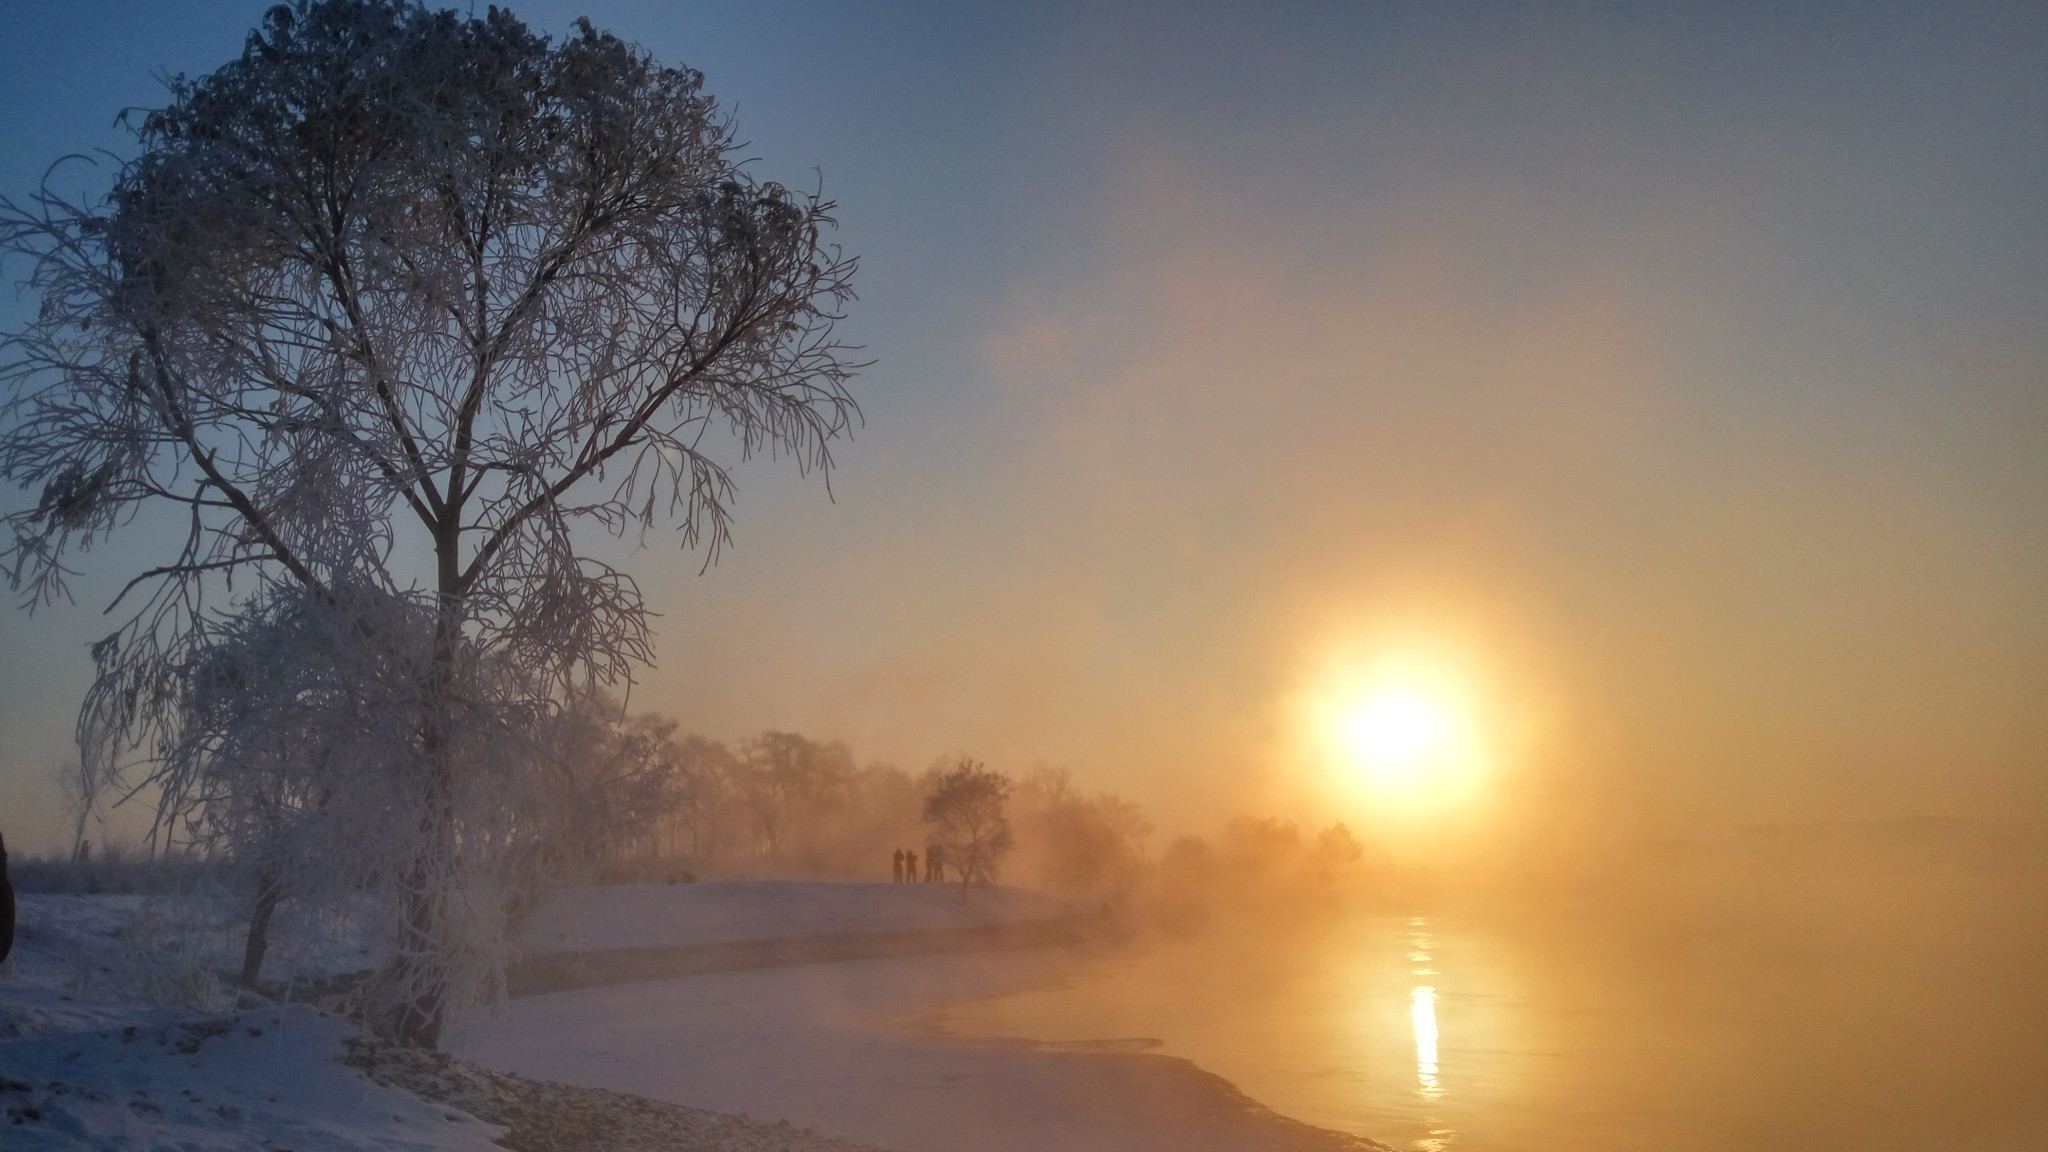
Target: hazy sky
point(1679, 382)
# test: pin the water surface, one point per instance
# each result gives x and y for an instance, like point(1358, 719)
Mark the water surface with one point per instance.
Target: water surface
point(1867, 1025)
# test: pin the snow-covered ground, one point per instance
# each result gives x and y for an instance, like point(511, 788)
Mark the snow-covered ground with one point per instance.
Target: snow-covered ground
point(199, 1082)
point(141, 948)
point(90, 1058)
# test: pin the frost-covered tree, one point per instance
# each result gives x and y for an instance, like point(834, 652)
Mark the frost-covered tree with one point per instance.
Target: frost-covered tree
point(699, 824)
point(280, 734)
point(784, 777)
point(967, 809)
point(293, 745)
point(605, 786)
point(384, 310)
point(1075, 843)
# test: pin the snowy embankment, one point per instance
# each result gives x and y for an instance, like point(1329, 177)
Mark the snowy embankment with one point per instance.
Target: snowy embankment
point(731, 911)
point(176, 1078)
point(596, 936)
point(90, 1059)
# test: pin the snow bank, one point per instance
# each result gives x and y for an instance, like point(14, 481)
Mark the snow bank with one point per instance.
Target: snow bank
point(735, 911)
point(175, 1078)
point(86, 1063)
point(154, 948)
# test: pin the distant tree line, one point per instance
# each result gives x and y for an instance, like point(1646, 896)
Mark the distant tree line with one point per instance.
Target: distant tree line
point(270, 806)
point(785, 804)
point(1267, 866)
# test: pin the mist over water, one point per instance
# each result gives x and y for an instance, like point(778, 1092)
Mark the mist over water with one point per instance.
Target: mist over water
point(1760, 997)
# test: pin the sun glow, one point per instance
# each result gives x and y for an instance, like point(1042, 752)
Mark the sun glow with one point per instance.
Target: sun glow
point(1396, 736)
point(1397, 731)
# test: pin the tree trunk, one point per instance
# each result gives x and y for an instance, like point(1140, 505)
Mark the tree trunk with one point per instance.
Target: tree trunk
point(421, 978)
point(420, 970)
point(268, 890)
point(422, 974)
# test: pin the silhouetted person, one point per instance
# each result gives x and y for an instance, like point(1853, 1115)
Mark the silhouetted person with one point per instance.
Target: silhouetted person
point(935, 865)
point(897, 868)
point(6, 904)
point(910, 865)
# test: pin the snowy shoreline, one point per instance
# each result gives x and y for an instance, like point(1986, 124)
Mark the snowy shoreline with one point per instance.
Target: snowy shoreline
point(841, 1047)
point(797, 1021)
point(836, 1048)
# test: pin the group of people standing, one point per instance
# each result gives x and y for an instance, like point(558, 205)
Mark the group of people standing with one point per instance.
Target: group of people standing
point(905, 867)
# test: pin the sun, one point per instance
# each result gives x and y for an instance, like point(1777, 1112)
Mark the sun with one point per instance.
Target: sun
point(1398, 734)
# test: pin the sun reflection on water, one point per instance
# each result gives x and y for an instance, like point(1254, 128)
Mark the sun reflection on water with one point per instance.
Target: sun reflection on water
point(1422, 1016)
point(1422, 1011)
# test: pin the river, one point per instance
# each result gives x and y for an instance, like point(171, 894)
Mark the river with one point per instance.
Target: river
point(1884, 1020)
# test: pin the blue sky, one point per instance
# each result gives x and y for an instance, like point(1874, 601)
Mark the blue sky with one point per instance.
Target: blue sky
point(1678, 374)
